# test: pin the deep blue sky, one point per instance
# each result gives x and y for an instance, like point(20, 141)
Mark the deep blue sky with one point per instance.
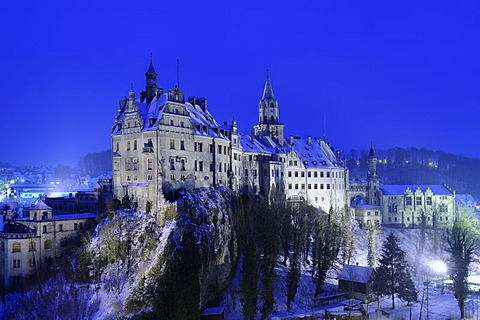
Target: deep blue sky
point(399, 73)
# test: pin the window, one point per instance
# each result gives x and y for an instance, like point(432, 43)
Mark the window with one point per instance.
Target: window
point(303, 174)
point(135, 163)
point(128, 145)
point(75, 226)
point(321, 174)
point(195, 146)
point(408, 201)
point(219, 149)
point(48, 243)
point(149, 177)
point(150, 164)
point(328, 174)
point(16, 263)
point(3, 246)
point(309, 186)
point(219, 167)
point(296, 174)
point(418, 201)
point(296, 186)
point(134, 144)
point(32, 246)
point(443, 208)
point(182, 164)
point(117, 147)
point(321, 186)
point(289, 174)
point(172, 164)
point(290, 186)
point(60, 227)
point(31, 263)
point(315, 186)
point(16, 247)
point(195, 165)
point(309, 174)
point(44, 229)
point(328, 186)
point(80, 225)
point(182, 145)
point(172, 144)
point(315, 174)
point(210, 148)
point(200, 166)
point(303, 186)
point(429, 201)
point(200, 147)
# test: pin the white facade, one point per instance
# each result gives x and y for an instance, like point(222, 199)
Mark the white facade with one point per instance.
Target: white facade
point(162, 143)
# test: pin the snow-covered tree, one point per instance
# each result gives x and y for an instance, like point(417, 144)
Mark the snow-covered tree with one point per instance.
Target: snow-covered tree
point(392, 276)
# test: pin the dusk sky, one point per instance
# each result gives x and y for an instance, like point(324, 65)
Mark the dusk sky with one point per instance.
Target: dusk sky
point(403, 74)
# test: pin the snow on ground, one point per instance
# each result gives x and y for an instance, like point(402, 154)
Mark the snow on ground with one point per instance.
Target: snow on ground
point(440, 306)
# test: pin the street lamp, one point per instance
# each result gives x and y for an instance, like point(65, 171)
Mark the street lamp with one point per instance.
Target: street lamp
point(440, 268)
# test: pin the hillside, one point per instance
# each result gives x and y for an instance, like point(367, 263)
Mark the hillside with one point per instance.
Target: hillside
point(419, 166)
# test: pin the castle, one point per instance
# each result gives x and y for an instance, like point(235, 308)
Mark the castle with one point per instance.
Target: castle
point(162, 142)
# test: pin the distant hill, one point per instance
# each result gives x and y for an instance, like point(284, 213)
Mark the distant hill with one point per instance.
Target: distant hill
point(96, 163)
point(419, 166)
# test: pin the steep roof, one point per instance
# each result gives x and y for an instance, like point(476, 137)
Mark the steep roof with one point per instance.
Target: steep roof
point(372, 151)
point(40, 205)
point(267, 90)
point(316, 154)
point(466, 200)
point(355, 273)
point(401, 188)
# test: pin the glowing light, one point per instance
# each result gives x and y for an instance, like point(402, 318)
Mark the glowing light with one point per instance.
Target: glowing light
point(439, 267)
point(12, 181)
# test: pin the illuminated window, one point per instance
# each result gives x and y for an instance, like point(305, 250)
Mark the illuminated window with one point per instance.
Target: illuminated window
point(32, 246)
point(16, 247)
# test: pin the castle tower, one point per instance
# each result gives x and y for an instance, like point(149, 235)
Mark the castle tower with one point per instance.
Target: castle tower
point(151, 82)
point(372, 178)
point(268, 119)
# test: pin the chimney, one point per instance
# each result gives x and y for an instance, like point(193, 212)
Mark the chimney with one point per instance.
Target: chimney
point(291, 140)
point(202, 102)
point(252, 136)
point(192, 100)
point(309, 140)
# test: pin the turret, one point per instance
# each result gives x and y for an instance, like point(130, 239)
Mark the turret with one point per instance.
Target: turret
point(151, 82)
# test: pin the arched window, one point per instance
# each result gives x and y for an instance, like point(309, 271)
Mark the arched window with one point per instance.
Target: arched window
point(32, 246)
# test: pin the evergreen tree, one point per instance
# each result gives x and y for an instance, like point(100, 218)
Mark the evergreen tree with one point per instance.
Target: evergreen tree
point(392, 276)
point(347, 236)
point(462, 240)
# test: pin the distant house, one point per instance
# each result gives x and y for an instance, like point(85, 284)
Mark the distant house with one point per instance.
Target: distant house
point(466, 203)
point(356, 282)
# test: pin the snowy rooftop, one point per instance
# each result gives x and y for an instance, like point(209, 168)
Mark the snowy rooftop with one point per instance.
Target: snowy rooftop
point(315, 154)
point(466, 200)
point(355, 273)
point(67, 216)
point(213, 311)
point(401, 189)
point(40, 205)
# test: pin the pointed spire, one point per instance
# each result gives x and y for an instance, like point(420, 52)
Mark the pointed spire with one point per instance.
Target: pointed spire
point(151, 69)
point(372, 151)
point(267, 91)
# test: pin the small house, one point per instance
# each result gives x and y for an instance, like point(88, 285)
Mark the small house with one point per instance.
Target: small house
point(217, 313)
point(356, 282)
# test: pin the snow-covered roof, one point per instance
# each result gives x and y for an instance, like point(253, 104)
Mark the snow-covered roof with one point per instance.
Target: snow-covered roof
point(401, 189)
point(213, 311)
point(67, 216)
point(355, 273)
point(261, 145)
point(466, 200)
point(316, 154)
point(40, 205)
